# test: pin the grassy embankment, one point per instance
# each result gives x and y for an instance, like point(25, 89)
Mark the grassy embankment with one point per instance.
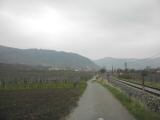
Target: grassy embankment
point(48, 102)
point(134, 107)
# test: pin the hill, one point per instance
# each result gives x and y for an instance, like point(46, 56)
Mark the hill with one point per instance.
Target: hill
point(108, 62)
point(52, 58)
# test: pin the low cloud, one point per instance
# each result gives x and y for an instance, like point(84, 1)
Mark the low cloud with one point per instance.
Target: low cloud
point(93, 28)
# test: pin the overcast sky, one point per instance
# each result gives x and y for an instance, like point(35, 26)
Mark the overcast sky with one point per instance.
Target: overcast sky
point(92, 28)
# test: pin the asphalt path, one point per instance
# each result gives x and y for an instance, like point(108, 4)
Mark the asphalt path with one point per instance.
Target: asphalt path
point(97, 103)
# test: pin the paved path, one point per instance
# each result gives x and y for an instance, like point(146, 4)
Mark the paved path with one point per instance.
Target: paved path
point(97, 103)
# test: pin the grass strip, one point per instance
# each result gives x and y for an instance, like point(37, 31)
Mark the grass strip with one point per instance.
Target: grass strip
point(23, 86)
point(137, 109)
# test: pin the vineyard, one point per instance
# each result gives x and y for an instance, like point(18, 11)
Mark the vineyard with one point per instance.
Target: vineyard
point(35, 93)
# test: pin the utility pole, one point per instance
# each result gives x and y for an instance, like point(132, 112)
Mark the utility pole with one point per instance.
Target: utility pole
point(125, 65)
point(144, 74)
point(112, 69)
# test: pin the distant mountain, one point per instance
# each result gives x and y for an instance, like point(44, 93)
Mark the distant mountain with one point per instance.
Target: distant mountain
point(108, 62)
point(52, 58)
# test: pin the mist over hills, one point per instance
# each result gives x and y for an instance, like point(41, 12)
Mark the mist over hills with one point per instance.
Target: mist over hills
point(66, 60)
point(132, 63)
point(56, 59)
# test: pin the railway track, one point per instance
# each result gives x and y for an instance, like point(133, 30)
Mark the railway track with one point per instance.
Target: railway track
point(145, 88)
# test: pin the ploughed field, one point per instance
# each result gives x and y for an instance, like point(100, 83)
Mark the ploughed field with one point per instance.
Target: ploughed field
point(35, 93)
point(38, 104)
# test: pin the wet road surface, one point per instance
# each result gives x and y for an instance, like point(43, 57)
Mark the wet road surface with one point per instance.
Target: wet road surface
point(97, 103)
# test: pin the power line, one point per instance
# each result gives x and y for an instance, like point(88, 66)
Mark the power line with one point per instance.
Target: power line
point(149, 58)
